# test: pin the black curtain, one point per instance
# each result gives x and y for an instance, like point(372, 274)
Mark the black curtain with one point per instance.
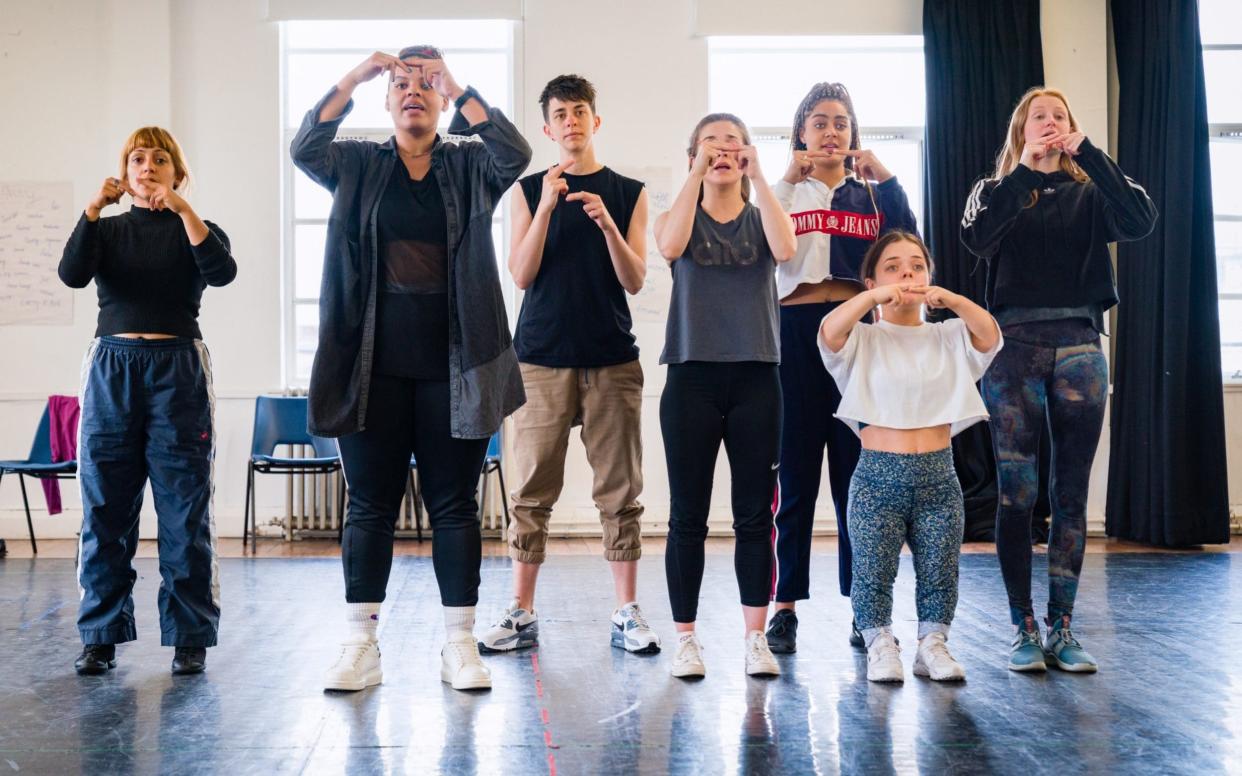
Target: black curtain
point(1167, 483)
point(980, 56)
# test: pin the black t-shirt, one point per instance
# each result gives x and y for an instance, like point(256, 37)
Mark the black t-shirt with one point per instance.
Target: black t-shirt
point(412, 316)
point(575, 313)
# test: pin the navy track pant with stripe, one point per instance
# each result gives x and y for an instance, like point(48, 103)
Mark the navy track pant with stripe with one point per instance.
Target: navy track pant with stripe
point(147, 409)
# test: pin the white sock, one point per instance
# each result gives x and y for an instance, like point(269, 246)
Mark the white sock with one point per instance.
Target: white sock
point(363, 620)
point(459, 620)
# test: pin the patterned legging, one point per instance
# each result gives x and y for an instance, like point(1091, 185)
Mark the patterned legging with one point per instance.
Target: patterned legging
point(1031, 383)
point(897, 498)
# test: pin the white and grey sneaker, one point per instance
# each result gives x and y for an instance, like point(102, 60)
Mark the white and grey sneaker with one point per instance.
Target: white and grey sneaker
point(461, 666)
point(688, 659)
point(631, 632)
point(884, 659)
point(356, 668)
point(759, 658)
point(934, 661)
point(516, 629)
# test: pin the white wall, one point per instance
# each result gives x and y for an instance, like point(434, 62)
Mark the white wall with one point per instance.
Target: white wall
point(209, 71)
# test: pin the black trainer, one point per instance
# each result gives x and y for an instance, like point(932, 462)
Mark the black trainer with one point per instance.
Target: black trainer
point(856, 639)
point(189, 660)
point(95, 659)
point(783, 632)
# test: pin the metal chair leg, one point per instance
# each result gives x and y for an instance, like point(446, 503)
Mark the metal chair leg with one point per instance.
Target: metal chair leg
point(340, 508)
point(504, 494)
point(246, 513)
point(34, 548)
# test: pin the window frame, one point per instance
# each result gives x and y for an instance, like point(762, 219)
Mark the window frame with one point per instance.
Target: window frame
point(1231, 132)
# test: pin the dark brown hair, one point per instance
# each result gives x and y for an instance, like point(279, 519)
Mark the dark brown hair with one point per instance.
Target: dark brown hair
point(567, 88)
point(872, 259)
point(693, 147)
point(421, 51)
point(820, 92)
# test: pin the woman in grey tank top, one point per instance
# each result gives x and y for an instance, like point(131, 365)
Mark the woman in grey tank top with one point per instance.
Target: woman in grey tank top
point(722, 351)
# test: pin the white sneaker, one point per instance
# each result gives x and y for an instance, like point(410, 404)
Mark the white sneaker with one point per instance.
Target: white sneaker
point(759, 659)
point(884, 659)
point(688, 659)
point(516, 629)
point(461, 666)
point(357, 667)
point(631, 632)
point(934, 661)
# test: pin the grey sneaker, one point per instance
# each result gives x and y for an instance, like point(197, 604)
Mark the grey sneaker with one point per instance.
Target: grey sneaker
point(516, 629)
point(631, 632)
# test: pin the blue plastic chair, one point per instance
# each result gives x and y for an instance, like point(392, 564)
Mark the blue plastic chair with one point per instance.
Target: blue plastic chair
point(491, 465)
point(281, 420)
point(40, 466)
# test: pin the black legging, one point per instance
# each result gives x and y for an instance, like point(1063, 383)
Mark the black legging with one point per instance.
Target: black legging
point(405, 416)
point(703, 404)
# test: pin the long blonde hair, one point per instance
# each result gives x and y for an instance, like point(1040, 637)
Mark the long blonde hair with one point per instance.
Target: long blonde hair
point(1015, 138)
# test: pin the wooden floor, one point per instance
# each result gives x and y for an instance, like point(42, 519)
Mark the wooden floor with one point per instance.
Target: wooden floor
point(19, 547)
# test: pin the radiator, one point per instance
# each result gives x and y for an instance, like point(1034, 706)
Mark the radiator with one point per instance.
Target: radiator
point(311, 503)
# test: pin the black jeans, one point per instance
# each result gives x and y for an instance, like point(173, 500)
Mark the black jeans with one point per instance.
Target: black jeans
point(702, 405)
point(405, 416)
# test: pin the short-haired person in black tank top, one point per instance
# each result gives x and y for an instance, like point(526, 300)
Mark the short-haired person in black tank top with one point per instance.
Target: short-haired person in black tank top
point(722, 349)
point(579, 244)
point(147, 404)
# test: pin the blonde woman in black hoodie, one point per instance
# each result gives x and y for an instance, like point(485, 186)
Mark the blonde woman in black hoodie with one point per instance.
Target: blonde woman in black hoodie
point(1042, 223)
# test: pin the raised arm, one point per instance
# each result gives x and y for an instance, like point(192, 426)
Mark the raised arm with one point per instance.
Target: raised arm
point(673, 227)
point(778, 226)
point(530, 230)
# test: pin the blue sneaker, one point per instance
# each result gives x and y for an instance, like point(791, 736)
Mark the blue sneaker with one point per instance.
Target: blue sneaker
point(1065, 652)
point(1026, 654)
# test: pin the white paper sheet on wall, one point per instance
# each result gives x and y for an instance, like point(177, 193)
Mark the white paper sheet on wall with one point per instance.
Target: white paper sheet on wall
point(35, 222)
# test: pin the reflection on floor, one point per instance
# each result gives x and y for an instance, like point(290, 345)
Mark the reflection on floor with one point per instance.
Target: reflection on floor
point(1164, 627)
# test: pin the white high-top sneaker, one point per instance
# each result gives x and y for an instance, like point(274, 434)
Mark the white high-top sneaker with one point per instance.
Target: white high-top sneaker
point(461, 666)
point(688, 659)
point(759, 658)
point(884, 659)
point(357, 667)
point(934, 661)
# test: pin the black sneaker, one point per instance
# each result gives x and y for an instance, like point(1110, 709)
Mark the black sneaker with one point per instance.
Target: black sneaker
point(95, 659)
point(783, 632)
point(189, 660)
point(856, 639)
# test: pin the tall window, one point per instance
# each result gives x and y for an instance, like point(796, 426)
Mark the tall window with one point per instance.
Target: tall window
point(314, 56)
point(1220, 26)
point(763, 78)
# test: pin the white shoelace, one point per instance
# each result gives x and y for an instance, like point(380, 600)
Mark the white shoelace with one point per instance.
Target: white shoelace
point(466, 653)
point(635, 614)
point(759, 650)
point(938, 650)
point(689, 651)
point(888, 649)
point(357, 650)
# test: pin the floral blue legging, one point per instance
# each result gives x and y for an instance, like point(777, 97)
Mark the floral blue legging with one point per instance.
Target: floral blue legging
point(898, 498)
point(1041, 376)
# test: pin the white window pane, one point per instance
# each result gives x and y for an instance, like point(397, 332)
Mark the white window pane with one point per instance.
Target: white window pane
point(394, 35)
point(308, 242)
point(305, 340)
point(1229, 258)
point(1226, 176)
point(764, 85)
point(310, 76)
point(310, 200)
point(1231, 363)
point(1220, 21)
point(488, 73)
point(1231, 322)
point(1224, 100)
